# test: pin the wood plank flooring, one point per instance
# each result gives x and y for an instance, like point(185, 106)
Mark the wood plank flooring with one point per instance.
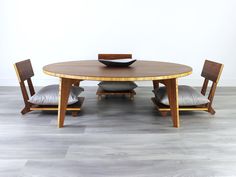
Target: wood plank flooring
point(117, 137)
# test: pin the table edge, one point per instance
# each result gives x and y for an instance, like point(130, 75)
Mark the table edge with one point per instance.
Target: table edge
point(95, 78)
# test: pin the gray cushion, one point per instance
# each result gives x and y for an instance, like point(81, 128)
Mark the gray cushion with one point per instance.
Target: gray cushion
point(49, 95)
point(188, 96)
point(117, 86)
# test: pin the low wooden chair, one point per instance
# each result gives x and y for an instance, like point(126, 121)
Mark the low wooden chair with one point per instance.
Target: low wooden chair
point(24, 73)
point(211, 72)
point(101, 92)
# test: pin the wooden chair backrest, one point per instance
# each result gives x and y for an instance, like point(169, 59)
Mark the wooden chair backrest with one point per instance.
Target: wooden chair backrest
point(211, 72)
point(24, 72)
point(114, 56)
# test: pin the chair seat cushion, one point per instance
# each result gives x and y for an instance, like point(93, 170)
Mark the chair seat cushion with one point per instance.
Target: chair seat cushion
point(49, 95)
point(188, 96)
point(117, 86)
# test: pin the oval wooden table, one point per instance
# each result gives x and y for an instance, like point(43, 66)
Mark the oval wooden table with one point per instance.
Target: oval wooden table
point(158, 72)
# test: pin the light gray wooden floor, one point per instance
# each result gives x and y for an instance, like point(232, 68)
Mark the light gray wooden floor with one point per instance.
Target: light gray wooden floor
point(117, 137)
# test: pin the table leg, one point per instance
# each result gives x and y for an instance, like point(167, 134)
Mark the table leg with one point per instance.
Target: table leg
point(64, 90)
point(172, 89)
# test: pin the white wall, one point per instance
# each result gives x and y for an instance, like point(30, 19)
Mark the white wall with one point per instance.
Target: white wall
point(182, 31)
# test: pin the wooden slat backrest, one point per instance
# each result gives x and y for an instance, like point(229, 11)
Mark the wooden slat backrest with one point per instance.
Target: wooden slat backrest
point(24, 70)
point(114, 56)
point(211, 72)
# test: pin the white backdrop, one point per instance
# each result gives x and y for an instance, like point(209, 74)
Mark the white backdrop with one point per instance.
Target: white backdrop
point(182, 31)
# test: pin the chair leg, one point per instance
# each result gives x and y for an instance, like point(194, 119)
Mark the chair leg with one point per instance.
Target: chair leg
point(211, 110)
point(74, 113)
point(25, 110)
point(131, 96)
point(164, 113)
point(99, 97)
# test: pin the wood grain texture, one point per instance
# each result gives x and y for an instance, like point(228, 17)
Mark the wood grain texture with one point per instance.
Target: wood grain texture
point(101, 92)
point(114, 56)
point(94, 70)
point(211, 72)
point(74, 107)
point(172, 91)
point(64, 90)
point(141, 70)
point(24, 72)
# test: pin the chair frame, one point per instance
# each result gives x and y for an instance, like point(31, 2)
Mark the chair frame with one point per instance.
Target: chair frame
point(211, 72)
point(101, 92)
point(24, 72)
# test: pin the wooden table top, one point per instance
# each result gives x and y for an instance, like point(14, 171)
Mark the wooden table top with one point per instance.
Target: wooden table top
point(94, 70)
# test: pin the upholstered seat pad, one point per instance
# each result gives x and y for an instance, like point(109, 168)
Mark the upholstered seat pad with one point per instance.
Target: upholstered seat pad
point(48, 95)
point(117, 86)
point(188, 96)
